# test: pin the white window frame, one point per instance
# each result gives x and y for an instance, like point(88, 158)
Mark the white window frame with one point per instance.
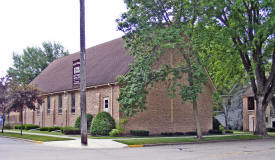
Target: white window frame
point(105, 109)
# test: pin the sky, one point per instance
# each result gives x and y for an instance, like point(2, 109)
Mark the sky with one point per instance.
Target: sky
point(28, 23)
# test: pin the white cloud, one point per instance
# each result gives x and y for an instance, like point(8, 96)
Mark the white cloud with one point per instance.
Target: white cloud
point(30, 22)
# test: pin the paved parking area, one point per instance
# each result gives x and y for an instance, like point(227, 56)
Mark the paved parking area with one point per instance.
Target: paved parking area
point(12, 149)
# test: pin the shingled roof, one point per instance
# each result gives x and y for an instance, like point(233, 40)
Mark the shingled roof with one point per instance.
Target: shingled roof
point(104, 63)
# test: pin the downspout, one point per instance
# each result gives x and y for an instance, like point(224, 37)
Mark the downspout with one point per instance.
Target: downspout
point(112, 100)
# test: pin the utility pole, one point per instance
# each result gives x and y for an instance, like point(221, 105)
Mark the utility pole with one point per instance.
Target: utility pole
point(84, 140)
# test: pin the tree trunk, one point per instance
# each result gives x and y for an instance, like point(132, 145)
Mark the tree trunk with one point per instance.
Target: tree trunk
point(21, 119)
point(226, 117)
point(260, 117)
point(84, 140)
point(197, 119)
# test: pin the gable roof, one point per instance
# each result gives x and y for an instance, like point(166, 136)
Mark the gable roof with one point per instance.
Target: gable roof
point(248, 93)
point(104, 63)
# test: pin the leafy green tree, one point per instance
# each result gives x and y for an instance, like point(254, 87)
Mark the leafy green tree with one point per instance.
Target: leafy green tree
point(23, 96)
point(155, 28)
point(4, 98)
point(34, 60)
point(249, 26)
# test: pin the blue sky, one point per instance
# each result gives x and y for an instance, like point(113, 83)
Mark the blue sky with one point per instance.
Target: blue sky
point(30, 22)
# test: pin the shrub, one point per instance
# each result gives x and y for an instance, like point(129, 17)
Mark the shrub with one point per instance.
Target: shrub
point(270, 129)
point(167, 134)
point(54, 128)
point(102, 124)
point(229, 131)
point(77, 123)
point(216, 124)
point(139, 133)
point(44, 128)
point(192, 133)
point(115, 132)
point(214, 131)
point(26, 126)
point(172, 133)
point(30, 126)
point(70, 130)
point(221, 128)
point(7, 126)
point(18, 127)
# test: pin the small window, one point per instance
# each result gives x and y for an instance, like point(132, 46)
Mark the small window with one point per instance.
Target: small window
point(106, 104)
point(251, 104)
point(60, 103)
point(38, 109)
point(49, 105)
point(73, 103)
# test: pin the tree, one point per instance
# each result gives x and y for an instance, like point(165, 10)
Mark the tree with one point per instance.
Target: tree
point(4, 98)
point(249, 26)
point(23, 96)
point(84, 133)
point(34, 60)
point(154, 28)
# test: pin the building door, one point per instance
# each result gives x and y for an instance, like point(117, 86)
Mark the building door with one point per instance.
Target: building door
point(251, 123)
point(272, 122)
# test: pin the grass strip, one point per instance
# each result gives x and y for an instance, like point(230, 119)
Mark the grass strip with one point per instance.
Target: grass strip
point(34, 137)
point(272, 134)
point(183, 140)
point(37, 131)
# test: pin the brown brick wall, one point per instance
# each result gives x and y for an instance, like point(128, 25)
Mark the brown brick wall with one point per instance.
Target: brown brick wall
point(159, 115)
point(95, 98)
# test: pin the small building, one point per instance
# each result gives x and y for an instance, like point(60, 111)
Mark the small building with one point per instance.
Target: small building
point(104, 63)
point(249, 112)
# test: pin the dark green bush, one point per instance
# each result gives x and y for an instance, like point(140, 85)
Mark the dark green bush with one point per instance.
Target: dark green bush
point(89, 121)
point(229, 131)
point(26, 126)
point(216, 124)
point(172, 134)
point(270, 129)
point(70, 130)
point(167, 133)
point(30, 126)
point(139, 133)
point(18, 127)
point(102, 124)
point(214, 131)
point(54, 128)
point(192, 133)
point(44, 128)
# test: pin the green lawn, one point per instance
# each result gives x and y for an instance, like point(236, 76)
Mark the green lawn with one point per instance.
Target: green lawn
point(37, 131)
point(34, 137)
point(106, 137)
point(182, 140)
point(271, 134)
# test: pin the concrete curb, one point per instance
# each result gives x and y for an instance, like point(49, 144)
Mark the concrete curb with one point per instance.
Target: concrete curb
point(133, 146)
point(202, 142)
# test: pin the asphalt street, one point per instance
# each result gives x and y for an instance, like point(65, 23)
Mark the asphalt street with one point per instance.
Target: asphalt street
point(14, 149)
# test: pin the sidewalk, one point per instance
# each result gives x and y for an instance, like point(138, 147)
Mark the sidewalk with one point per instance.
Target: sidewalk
point(76, 143)
point(98, 143)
